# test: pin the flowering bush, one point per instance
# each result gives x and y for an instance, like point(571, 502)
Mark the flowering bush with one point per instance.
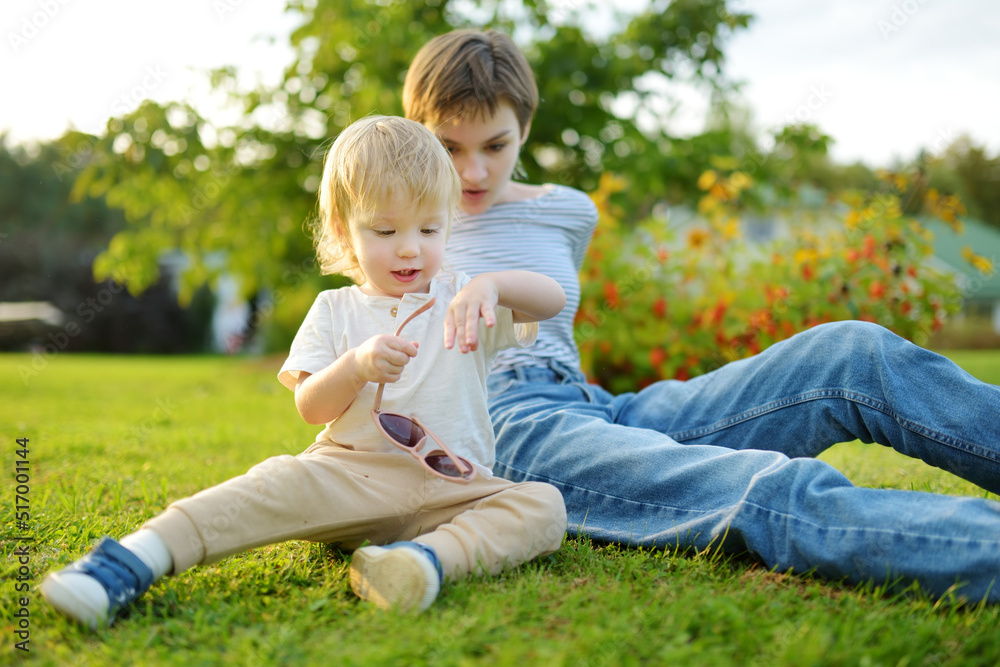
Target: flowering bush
point(661, 301)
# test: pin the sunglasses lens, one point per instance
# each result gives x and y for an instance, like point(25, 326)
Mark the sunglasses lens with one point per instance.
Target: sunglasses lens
point(402, 430)
point(444, 465)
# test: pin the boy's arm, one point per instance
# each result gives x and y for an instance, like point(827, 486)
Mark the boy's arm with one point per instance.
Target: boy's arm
point(323, 396)
point(530, 296)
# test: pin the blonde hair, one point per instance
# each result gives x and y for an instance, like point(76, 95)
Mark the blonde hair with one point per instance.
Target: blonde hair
point(469, 72)
point(373, 160)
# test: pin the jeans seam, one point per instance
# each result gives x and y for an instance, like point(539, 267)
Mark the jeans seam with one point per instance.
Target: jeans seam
point(528, 476)
point(819, 394)
point(866, 529)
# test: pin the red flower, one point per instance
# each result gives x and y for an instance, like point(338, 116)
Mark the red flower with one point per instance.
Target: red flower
point(876, 290)
point(657, 356)
point(719, 312)
point(660, 307)
point(807, 272)
point(869, 246)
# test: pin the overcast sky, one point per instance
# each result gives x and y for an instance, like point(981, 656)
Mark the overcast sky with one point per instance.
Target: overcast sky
point(884, 78)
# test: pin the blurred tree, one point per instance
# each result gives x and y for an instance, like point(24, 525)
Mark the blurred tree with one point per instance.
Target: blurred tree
point(966, 170)
point(47, 247)
point(235, 198)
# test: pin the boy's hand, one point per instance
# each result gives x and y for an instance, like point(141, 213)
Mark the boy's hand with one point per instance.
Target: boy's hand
point(461, 324)
point(382, 358)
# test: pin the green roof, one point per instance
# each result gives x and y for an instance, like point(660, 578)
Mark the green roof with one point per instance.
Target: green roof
point(984, 240)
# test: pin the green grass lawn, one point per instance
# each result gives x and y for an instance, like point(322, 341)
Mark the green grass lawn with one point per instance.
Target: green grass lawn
point(114, 439)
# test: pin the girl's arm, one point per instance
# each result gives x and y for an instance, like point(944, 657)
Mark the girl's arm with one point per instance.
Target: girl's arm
point(322, 397)
point(531, 296)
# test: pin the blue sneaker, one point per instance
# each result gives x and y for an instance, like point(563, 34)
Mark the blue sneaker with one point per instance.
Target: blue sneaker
point(95, 588)
point(404, 575)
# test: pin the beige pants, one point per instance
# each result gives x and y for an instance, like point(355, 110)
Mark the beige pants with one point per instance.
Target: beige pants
point(334, 495)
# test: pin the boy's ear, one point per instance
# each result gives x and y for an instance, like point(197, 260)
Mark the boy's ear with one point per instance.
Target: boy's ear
point(340, 231)
point(524, 133)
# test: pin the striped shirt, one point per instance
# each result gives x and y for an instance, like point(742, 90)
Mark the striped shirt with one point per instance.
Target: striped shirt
point(548, 235)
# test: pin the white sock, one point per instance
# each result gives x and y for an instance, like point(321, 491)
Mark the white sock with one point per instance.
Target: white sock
point(150, 549)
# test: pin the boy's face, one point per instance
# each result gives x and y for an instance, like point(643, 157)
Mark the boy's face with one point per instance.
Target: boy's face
point(484, 150)
point(401, 248)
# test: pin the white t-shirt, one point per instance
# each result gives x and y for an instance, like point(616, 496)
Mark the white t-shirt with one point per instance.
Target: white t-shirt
point(445, 389)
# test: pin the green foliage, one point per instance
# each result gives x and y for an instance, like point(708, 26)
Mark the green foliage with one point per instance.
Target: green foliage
point(236, 198)
point(665, 301)
point(113, 440)
point(967, 171)
point(229, 204)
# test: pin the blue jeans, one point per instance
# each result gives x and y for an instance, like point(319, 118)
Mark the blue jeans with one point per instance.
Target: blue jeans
point(726, 458)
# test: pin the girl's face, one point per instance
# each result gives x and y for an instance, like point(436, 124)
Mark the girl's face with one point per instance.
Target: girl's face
point(400, 249)
point(484, 150)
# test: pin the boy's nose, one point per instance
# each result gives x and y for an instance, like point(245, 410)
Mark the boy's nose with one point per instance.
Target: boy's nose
point(408, 247)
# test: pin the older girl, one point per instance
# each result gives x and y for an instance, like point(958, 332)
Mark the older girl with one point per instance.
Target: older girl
point(726, 458)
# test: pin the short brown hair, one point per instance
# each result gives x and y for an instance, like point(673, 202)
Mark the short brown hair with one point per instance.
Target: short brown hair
point(373, 160)
point(469, 72)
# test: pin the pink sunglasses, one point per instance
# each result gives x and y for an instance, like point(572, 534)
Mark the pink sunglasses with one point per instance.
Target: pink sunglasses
point(410, 435)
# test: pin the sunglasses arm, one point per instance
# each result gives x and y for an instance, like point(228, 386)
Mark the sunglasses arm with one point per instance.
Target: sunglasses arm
point(378, 398)
point(399, 329)
point(430, 434)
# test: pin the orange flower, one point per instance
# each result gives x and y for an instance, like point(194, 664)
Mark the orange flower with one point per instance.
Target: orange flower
point(720, 192)
point(662, 254)
point(773, 294)
point(760, 319)
point(657, 356)
point(807, 272)
point(696, 238)
point(869, 250)
point(876, 290)
point(611, 294)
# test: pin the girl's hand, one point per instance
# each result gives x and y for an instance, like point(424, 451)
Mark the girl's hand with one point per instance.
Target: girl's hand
point(382, 358)
point(476, 300)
